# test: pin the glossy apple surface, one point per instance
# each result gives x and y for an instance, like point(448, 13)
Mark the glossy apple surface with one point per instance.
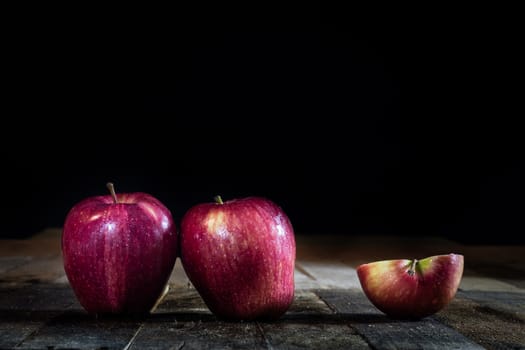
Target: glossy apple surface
point(118, 255)
point(412, 289)
point(240, 256)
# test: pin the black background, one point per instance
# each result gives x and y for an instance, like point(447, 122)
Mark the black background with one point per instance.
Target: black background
point(389, 124)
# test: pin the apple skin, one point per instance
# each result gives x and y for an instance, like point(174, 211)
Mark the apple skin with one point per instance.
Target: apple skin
point(118, 256)
point(405, 293)
point(240, 256)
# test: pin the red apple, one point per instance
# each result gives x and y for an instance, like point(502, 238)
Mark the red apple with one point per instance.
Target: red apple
point(240, 256)
point(412, 289)
point(119, 251)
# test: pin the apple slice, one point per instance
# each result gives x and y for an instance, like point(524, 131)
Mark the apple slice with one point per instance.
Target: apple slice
point(412, 289)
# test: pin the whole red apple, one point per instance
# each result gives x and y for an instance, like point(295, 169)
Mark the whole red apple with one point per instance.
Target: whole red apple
point(240, 256)
point(412, 289)
point(119, 251)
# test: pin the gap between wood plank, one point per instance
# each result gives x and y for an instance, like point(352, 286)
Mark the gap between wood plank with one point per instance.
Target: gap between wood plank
point(130, 343)
point(302, 270)
point(266, 340)
point(161, 298)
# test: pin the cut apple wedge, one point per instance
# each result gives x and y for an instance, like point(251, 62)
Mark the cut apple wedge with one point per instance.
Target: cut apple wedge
point(412, 289)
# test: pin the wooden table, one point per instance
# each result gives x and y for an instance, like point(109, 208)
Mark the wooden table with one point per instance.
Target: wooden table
point(38, 309)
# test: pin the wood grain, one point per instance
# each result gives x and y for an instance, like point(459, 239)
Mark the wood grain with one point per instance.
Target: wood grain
point(484, 324)
point(38, 309)
point(384, 333)
point(171, 334)
point(77, 330)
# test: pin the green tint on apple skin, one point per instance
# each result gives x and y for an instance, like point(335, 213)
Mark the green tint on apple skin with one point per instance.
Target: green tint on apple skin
point(412, 289)
point(423, 265)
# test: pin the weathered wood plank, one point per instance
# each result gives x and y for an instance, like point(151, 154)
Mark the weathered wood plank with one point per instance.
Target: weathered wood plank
point(171, 334)
point(311, 335)
point(491, 329)
point(510, 303)
point(182, 320)
point(77, 330)
point(184, 300)
point(488, 284)
point(38, 270)
point(310, 324)
point(488, 308)
point(187, 301)
point(23, 310)
point(178, 277)
point(43, 244)
point(315, 275)
point(303, 279)
point(37, 297)
point(513, 274)
point(382, 332)
point(10, 262)
point(13, 333)
point(306, 304)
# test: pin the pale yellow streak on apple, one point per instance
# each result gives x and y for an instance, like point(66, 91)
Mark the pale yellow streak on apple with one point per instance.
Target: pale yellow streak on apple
point(149, 210)
point(94, 217)
point(380, 278)
point(215, 222)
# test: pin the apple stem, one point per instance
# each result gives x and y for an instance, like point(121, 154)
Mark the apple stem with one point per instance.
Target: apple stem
point(111, 189)
point(412, 270)
point(218, 200)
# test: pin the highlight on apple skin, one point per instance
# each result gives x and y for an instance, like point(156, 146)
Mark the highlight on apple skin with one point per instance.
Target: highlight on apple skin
point(240, 256)
point(412, 289)
point(119, 251)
